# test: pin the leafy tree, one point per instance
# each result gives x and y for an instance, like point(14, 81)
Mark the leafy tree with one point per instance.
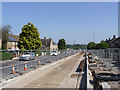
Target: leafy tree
point(3, 47)
point(91, 45)
point(98, 46)
point(76, 46)
point(29, 38)
point(102, 45)
point(62, 44)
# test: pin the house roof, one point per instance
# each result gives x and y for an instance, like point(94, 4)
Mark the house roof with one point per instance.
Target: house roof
point(14, 38)
point(115, 40)
point(44, 41)
point(112, 40)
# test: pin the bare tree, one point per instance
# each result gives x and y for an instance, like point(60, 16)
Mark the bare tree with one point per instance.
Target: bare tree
point(5, 31)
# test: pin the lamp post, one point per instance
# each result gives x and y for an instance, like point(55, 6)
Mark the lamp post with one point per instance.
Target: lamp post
point(46, 46)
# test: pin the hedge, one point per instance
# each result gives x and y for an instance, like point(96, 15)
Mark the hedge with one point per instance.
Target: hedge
point(7, 55)
point(37, 52)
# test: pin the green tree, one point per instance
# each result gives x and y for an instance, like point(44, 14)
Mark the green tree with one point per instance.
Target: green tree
point(91, 45)
point(102, 45)
point(29, 38)
point(62, 44)
point(98, 46)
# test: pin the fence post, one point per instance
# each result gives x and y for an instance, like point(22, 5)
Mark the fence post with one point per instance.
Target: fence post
point(119, 57)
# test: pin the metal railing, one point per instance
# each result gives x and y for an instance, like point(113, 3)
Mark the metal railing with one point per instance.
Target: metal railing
point(111, 53)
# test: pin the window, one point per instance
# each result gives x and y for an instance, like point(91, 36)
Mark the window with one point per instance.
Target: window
point(16, 43)
point(43, 45)
point(13, 48)
point(13, 43)
point(9, 43)
point(9, 48)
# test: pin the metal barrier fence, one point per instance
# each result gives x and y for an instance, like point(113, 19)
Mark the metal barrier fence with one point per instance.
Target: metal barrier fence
point(111, 53)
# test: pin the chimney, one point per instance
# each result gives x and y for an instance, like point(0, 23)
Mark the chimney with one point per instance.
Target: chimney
point(114, 36)
point(106, 40)
point(109, 39)
point(44, 37)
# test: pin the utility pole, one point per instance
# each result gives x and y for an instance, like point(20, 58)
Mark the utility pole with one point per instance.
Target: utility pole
point(46, 46)
point(74, 42)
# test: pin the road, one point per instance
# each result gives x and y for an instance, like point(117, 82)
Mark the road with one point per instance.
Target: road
point(54, 75)
point(19, 65)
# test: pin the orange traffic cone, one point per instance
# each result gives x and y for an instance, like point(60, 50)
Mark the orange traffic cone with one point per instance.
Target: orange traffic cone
point(13, 70)
point(25, 66)
point(39, 62)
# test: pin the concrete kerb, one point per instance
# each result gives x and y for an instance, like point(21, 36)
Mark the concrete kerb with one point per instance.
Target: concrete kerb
point(78, 83)
point(27, 76)
point(89, 76)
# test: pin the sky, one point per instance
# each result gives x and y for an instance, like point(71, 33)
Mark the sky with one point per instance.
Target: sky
point(79, 22)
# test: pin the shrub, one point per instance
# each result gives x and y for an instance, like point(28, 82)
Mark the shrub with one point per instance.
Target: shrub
point(7, 55)
point(37, 52)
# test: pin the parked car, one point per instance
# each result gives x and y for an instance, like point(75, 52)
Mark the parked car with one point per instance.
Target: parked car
point(54, 53)
point(27, 56)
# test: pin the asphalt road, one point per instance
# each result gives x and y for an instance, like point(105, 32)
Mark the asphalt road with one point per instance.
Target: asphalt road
point(19, 65)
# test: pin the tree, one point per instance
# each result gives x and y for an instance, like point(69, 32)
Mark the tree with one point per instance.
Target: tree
point(76, 46)
point(98, 46)
point(62, 44)
point(91, 45)
point(102, 45)
point(5, 30)
point(29, 38)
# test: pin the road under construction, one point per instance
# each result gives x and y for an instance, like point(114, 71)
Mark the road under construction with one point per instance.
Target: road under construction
point(65, 73)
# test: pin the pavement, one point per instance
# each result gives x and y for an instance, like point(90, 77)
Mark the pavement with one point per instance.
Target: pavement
point(54, 75)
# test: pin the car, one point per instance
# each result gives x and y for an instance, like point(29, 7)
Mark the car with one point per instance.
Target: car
point(27, 56)
point(54, 53)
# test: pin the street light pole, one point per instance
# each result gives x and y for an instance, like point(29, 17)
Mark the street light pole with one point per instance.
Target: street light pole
point(46, 46)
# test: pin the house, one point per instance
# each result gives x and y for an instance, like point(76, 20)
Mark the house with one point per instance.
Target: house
point(12, 43)
point(48, 45)
point(114, 42)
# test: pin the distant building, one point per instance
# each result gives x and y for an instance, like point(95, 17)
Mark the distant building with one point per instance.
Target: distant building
point(12, 43)
point(48, 45)
point(114, 42)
